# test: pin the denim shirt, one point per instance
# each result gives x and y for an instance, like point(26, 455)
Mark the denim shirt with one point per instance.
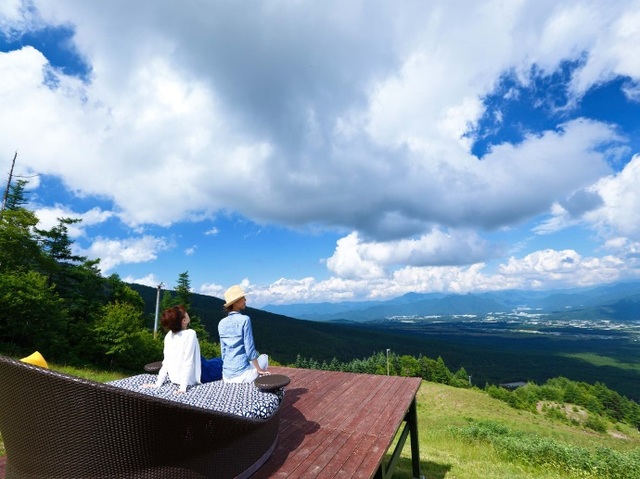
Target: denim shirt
point(236, 344)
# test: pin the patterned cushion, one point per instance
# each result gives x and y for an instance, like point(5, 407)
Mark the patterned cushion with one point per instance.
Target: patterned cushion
point(240, 399)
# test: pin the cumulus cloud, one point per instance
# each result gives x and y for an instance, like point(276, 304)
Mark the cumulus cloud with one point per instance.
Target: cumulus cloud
point(620, 214)
point(48, 218)
point(148, 280)
point(545, 269)
point(565, 267)
point(113, 252)
point(185, 112)
point(355, 258)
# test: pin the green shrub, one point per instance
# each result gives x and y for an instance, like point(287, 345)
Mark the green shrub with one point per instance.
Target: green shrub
point(596, 423)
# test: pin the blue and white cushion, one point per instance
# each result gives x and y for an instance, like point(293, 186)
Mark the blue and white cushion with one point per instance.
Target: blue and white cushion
point(244, 400)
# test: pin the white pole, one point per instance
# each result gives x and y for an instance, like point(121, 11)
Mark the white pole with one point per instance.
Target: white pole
point(388, 361)
point(155, 324)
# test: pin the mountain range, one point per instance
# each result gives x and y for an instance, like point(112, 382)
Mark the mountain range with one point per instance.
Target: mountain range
point(616, 302)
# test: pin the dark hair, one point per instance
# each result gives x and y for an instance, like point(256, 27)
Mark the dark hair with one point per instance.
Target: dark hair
point(172, 318)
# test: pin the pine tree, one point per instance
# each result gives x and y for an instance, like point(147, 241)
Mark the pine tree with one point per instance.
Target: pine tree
point(183, 292)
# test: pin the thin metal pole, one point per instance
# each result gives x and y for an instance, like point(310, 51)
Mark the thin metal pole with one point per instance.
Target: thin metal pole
point(388, 361)
point(155, 324)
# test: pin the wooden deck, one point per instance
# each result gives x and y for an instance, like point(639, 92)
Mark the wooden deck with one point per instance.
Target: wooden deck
point(340, 425)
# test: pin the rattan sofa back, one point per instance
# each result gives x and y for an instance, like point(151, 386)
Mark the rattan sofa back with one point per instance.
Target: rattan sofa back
point(60, 426)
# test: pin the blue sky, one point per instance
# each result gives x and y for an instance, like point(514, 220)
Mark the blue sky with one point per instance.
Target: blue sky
point(329, 151)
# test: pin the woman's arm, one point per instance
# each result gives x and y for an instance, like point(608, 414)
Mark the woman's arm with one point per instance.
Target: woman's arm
point(261, 371)
point(164, 371)
point(250, 347)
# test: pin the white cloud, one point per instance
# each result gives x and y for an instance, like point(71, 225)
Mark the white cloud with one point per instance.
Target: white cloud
point(620, 214)
point(12, 17)
point(546, 269)
point(355, 258)
point(151, 115)
point(212, 289)
point(48, 218)
point(131, 250)
point(614, 50)
point(347, 262)
point(148, 280)
point(563, 268)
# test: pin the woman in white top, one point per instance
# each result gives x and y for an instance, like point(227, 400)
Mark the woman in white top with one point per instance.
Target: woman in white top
point(183, 363)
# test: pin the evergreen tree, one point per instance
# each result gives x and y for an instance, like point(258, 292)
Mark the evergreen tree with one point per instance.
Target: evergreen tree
point(183, 292)
point(182, 296)
point(427, 366)
point(56, 243)
point(461, 378)
point(167, 301)
point(16, 198)
point(441, 373)
point(19, 247)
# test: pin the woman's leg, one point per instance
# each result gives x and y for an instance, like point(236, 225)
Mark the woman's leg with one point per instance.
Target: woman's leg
point(263, 361)
point(251, 374)
point(210, 369)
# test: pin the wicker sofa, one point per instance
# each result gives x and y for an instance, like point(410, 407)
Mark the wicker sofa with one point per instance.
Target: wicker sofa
point(60, 426)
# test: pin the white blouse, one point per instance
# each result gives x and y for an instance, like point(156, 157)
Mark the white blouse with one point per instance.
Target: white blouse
point(181, 359)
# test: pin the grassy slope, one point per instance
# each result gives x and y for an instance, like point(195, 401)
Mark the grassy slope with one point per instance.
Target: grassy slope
point(445, 457)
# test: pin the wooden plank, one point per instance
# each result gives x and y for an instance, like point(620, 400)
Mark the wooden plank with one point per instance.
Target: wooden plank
point(353, 407)
point(354, 465)
point(328, 386)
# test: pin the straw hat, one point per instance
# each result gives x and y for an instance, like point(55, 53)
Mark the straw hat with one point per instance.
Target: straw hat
point(233, 294)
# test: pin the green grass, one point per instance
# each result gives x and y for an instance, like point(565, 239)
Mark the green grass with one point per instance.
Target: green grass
point(451, 447)
point(599, 360)
point(446, 413)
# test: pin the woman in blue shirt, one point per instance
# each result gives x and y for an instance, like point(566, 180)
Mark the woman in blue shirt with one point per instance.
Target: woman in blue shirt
point(241, 363)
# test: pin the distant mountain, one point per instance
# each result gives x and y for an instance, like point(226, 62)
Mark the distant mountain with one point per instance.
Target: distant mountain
point(319, 311)
point(618, 301)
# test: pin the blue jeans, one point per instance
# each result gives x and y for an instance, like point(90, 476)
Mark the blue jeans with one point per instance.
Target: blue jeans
point(211, 370)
